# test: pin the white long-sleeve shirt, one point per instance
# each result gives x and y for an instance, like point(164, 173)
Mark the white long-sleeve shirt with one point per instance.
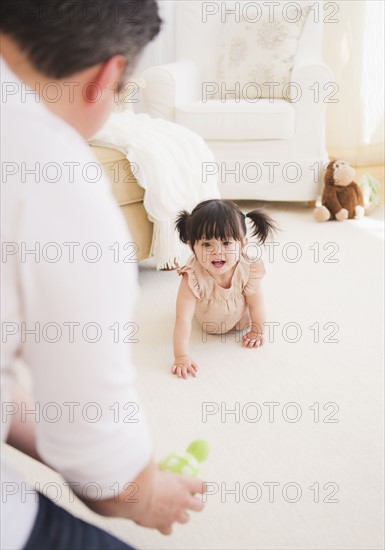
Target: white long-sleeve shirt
point(69, 287)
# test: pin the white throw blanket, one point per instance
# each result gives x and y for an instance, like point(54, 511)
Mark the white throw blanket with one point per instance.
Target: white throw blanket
point(170, 161)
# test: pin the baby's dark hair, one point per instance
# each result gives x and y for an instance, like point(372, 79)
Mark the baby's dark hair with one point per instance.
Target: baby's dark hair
point(222, 220)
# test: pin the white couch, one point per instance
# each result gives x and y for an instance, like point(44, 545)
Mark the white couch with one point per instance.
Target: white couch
point(268, 149)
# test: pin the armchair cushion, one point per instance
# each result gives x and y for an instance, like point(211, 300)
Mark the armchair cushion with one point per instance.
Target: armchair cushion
point(260, 50)
point(238, 119)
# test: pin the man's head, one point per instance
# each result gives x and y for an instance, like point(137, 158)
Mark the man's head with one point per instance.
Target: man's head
point(92, 44)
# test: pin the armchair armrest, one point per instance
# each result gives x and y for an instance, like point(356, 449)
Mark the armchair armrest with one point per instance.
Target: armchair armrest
point(314, 79)
point(315, 84)
point(168, 86)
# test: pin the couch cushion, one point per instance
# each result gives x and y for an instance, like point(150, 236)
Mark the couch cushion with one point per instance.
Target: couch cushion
point(260, 47)
point(238, 119)
point(121, 175)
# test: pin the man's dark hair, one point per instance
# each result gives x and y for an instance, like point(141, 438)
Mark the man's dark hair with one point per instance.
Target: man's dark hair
point(62, 37)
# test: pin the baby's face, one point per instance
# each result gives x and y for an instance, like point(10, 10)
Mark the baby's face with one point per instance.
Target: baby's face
point(217, 256)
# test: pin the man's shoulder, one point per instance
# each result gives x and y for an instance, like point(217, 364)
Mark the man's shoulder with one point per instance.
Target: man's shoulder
point(39, 149)
point(30, 130)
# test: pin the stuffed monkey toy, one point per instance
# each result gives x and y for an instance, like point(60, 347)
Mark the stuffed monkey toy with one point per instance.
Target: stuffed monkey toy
point(342, 198)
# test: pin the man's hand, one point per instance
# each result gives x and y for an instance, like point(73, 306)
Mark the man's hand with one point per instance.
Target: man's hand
point(162, 499)
point(171, 497)
point(183, 366)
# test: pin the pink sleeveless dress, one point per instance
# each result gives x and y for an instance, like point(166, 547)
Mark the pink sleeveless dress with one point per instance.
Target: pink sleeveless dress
point(220, 309)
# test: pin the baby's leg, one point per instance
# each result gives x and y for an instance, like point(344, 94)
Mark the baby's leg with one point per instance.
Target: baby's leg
point(245, 321)
point(245, 324)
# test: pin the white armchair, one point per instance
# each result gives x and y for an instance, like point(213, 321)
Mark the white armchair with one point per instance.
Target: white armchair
point(265, 148)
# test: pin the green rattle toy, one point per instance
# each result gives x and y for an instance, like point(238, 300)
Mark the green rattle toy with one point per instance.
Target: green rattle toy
point(187, 463)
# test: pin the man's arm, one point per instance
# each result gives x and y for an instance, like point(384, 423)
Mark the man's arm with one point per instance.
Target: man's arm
point(156, 499)
point(22, 432)
point(153, 499)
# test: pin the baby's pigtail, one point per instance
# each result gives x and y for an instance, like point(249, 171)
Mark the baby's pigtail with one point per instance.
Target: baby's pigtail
point(264, 226)
point(181, 225)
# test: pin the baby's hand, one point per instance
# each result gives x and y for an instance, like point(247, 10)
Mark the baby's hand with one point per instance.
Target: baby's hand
point(252, 339)
point(184, 365)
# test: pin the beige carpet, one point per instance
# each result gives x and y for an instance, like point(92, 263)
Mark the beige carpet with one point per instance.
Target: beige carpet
point(339, 456)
